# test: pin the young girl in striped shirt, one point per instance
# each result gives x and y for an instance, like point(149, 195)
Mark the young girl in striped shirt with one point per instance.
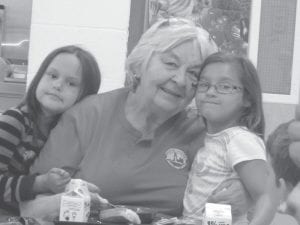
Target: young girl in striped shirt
point(66, 76)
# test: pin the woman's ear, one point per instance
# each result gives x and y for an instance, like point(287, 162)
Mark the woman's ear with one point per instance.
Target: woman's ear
point(133, 78)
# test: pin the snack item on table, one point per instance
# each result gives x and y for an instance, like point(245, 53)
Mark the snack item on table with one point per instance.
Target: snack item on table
point(166, 221)
point(119, 215)
point(18, 220)
point(75, 202)
point(145, 214)
point(178, 221)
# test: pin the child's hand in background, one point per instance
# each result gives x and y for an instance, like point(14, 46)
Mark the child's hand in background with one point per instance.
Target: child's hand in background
point(55, 181)
point(294, 133)
point(292, 203)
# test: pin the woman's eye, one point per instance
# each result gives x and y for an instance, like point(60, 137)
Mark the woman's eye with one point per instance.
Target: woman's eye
point(203, 85)
point(171, 64)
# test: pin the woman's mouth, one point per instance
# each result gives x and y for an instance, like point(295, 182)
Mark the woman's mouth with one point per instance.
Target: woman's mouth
point(171, 92)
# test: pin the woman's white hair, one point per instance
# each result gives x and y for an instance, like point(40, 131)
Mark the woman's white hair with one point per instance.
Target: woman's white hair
point(162, 36)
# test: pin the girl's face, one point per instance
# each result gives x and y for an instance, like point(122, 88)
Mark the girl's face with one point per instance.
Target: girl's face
point(169, 82)
point(221, 110)
point(61, 84)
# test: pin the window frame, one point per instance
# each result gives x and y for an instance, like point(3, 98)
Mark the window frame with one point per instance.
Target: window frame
point(293, 97)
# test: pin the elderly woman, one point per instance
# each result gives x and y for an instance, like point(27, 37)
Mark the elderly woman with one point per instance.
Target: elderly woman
point(137, 144)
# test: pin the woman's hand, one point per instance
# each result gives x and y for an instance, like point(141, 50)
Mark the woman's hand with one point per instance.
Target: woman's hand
point(93, 188)
point(294, 132)
point(232, 192)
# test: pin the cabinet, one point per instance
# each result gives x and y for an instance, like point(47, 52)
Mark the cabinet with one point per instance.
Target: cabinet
point(15, 19)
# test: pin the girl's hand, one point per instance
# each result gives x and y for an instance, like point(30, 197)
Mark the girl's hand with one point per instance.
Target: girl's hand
point(233, 192)
point(294, 133)
point(55, 181)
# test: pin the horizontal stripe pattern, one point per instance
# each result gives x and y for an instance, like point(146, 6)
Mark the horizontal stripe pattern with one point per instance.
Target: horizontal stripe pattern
point(18, 149)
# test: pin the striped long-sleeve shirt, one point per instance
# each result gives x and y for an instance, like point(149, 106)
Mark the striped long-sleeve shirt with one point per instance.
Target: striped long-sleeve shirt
point(18, 149)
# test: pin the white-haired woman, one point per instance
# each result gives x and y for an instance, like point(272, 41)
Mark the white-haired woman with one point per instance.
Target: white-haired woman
point(137, 143)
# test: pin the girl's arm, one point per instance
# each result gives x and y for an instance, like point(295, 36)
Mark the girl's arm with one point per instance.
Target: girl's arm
point(256, 175)
point(14, 187)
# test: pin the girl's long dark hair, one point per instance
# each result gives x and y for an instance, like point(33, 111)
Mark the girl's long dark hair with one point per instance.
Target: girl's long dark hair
point(91, 78)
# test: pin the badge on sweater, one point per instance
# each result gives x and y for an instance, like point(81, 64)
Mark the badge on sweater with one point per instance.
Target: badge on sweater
point(176, 158)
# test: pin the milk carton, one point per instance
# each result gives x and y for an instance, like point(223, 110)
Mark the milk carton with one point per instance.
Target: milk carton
point(75, 202)
point(217, 214)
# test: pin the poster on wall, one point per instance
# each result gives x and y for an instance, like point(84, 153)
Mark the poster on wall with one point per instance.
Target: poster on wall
point(226, 20)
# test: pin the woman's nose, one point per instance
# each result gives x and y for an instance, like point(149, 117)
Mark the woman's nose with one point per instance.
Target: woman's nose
point(180, 78)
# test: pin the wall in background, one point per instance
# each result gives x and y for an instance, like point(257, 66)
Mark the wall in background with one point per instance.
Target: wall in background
point(101, 26)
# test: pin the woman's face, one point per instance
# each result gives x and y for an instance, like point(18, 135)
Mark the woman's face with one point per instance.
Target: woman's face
point(169, 81)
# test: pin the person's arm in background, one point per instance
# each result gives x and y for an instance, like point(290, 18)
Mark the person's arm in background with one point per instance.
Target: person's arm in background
point(294, 133)
point(293, 201)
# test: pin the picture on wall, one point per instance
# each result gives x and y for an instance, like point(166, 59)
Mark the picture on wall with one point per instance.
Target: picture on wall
point(226, 20)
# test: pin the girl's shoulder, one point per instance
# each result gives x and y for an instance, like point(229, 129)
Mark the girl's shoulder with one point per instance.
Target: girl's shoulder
point(241, 134)
point(16, 117)
point(17, 112)
point(240, 130)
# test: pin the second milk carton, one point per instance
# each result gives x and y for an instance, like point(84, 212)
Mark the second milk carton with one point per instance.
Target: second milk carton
point(217, 214)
